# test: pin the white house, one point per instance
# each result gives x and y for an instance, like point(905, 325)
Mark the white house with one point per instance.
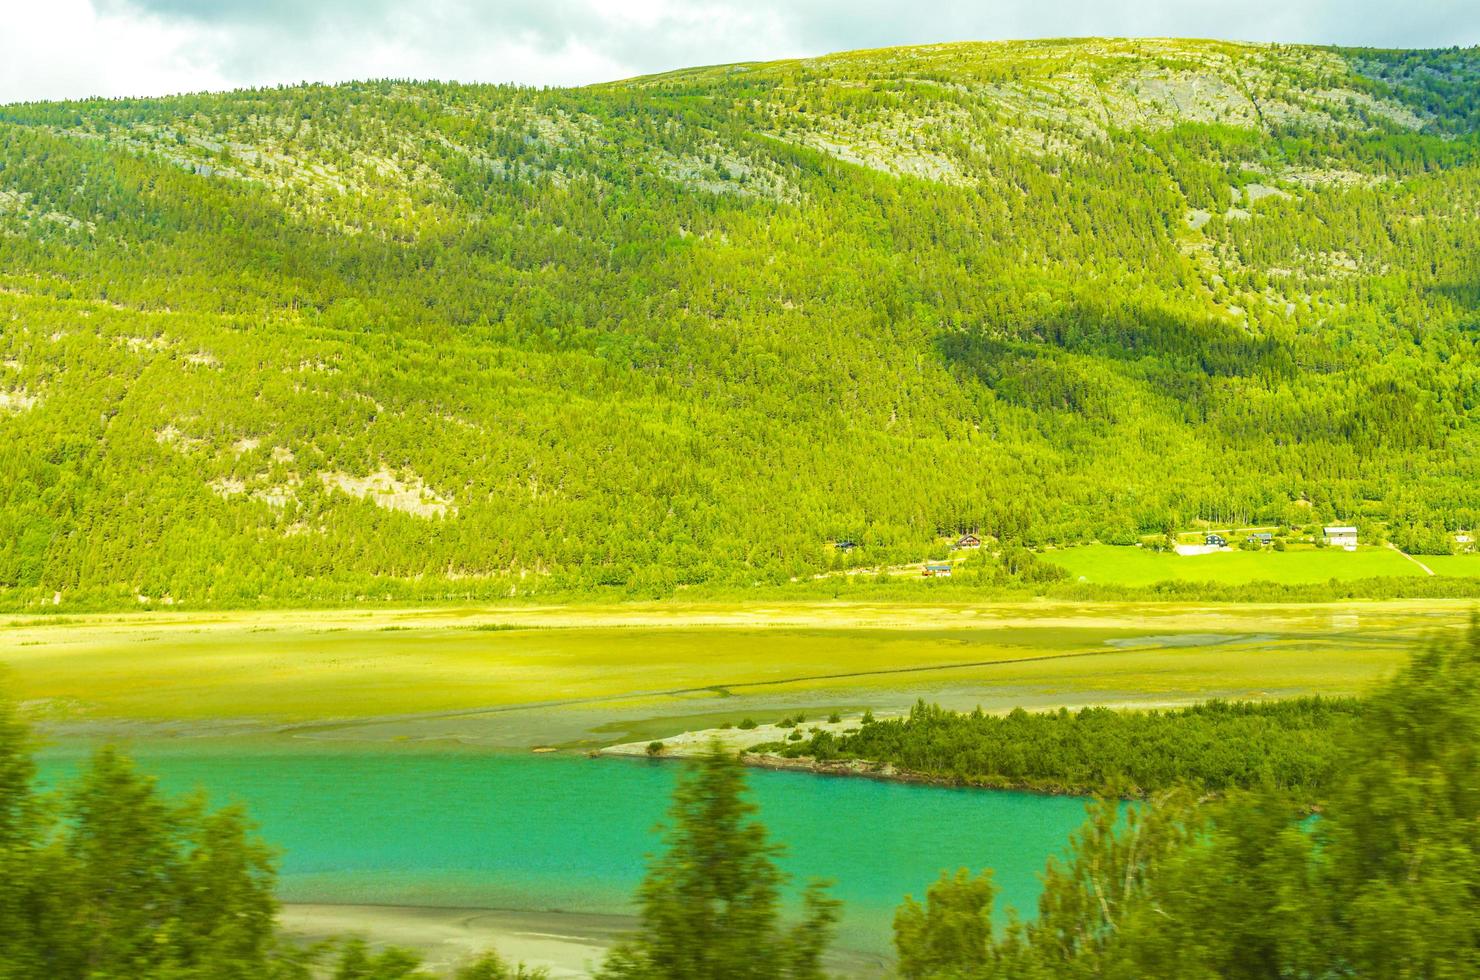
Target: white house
point(1342, 537)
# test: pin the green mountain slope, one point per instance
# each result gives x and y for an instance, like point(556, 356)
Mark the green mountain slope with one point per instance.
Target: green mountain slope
point(427, 339)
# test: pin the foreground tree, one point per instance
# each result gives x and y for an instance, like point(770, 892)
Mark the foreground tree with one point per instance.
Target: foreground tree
point(952, 932)
point(109, 880)
point(709, 903)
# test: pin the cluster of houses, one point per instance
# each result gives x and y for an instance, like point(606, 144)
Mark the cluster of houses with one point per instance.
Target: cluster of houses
point(931, 569)
point(1336, 535)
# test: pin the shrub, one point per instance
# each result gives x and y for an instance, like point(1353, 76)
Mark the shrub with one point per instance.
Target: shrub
point(655, 748)
point(746, 724)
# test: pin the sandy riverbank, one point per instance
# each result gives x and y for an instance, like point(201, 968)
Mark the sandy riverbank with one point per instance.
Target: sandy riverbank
point(568, 945)
point(686, 745)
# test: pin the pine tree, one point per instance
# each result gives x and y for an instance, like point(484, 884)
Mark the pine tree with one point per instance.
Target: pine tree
point(709, 902)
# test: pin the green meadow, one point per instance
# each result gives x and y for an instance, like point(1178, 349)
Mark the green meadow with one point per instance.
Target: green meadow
point(1467, 566)
point(1107, 564)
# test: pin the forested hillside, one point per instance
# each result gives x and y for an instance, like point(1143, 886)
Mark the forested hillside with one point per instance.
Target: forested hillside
point(420, 339)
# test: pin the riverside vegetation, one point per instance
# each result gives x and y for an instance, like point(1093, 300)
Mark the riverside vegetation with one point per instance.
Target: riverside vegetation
point(1216, 746)
point(411, 340)
point(111, 880)
point(1384, 884)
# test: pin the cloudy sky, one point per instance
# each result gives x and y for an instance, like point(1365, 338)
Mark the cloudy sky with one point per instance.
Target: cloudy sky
point(56, 49)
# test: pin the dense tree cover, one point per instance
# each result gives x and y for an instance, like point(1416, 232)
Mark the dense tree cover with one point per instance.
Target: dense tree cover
point(1383, 884)
point(1216, 745)
point(436, 341)
point(109, 879)
point(709, 901)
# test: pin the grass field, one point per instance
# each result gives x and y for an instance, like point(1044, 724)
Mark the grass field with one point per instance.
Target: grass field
point(530, 675)
point(1107, 564)
point(1459, 565)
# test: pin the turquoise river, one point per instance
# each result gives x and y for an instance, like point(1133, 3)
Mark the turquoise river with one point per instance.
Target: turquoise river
point(459, 828)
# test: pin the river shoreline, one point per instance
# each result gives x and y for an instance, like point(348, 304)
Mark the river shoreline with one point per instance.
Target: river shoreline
point(689, 745)
point(569, 945)
point(883, 772)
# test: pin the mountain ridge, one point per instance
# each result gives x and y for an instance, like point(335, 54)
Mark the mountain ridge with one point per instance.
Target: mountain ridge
point(305, 342)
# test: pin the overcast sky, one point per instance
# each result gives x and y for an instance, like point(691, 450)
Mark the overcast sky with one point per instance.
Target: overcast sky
point(60, 49)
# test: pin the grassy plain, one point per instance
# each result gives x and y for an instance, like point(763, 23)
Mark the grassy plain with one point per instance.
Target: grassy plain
point(1458, 565)
point(523, 676)
point(1108, 564)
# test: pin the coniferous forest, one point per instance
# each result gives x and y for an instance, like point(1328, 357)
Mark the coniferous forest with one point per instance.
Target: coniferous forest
point(424, 340)
point(1214, 746)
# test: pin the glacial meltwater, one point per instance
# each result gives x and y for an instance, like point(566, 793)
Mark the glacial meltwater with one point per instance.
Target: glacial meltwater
point(458, 828)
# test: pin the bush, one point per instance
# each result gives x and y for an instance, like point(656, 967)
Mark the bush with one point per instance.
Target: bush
point(746, 724)
point(795, 736)
point(834, 718)
point(655, 748)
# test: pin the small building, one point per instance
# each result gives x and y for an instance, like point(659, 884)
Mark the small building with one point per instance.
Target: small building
point(845, 545)
point(937, 570)
point(1341, 536)
point(968, 541)
point(1215, 541)
point(1261, 538)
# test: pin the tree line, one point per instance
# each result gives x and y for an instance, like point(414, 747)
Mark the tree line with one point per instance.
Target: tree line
point(1215, 746)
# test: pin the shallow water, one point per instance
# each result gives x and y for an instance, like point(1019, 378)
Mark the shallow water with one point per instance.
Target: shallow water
point(377, 825)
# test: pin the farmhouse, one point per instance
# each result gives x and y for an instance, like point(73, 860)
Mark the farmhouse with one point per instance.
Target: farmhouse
point(1215, 541)
point(1342, 536)
point(937, 570)
point(968, 541)
point(1261, 537)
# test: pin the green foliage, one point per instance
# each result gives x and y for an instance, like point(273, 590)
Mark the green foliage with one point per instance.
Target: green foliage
point(389, 341)
point(357, 962)
point(490, 966)
point(1402, 842)
point(709, 902)
point(951, 935)
point(111, 879)
point(1217, 745)
point(1383, 884)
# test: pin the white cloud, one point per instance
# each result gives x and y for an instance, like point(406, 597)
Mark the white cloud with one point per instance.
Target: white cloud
point(56, 49)
point(67, 49)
